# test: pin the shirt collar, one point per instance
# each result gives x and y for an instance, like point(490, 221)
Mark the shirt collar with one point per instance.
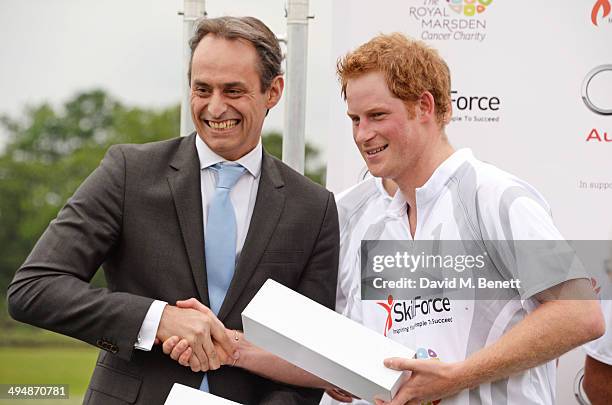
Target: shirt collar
point(378, 181)
point(442, 174)
point(251, 161)
point(434, 185)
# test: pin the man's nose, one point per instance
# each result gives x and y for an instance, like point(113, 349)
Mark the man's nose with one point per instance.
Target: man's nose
point(362, 133)
point(216, 105)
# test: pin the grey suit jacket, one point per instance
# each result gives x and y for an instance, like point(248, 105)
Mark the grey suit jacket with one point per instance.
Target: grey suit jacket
point(139, 217)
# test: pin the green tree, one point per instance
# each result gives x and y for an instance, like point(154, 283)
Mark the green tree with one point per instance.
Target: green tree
point(273, 143)
point(50, 151)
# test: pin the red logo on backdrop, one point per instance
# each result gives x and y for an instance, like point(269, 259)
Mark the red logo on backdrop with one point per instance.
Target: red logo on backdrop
point(387, 307)
point(600, 5)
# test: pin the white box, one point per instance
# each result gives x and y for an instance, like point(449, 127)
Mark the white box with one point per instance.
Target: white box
point(183, 395)
point(323, 342)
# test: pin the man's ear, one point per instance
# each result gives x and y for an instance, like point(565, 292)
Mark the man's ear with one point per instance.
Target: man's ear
point(275, 91)
point(425, 108)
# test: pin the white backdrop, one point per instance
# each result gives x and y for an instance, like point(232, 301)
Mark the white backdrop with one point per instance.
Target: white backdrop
point(530, 58)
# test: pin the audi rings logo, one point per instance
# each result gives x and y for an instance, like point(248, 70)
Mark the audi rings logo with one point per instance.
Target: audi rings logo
point(588, 101)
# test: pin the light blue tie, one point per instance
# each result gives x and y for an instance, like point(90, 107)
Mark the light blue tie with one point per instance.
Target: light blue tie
point(220, 239)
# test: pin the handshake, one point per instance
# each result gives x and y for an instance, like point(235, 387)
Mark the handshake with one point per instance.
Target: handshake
point(192, 335)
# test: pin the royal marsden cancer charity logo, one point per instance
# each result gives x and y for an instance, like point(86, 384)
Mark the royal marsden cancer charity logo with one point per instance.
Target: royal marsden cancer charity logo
point(469, 8)
point(602, 7)
point(450, 20)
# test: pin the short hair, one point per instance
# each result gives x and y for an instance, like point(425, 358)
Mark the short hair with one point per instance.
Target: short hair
point(410, 67)
point(247, 28)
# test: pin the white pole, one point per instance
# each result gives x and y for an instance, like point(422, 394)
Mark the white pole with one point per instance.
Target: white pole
point(295, 90)
point(192, 11)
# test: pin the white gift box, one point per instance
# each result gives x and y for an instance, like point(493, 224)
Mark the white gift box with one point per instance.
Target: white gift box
point(183, 395)
point(323, 342)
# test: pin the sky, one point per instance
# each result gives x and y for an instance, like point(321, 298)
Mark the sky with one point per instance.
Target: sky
point(50, 50)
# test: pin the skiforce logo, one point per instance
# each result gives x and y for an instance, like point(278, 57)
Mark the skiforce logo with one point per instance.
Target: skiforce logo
point(387, 306)
point(408, 310)
point(450, 20)
point(469, 8)
point(475, 108)
point(598, 99)
point(602, 7)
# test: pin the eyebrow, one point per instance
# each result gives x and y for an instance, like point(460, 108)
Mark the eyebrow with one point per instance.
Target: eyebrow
point(370, 110)
point(200, 83)
point(225, 85)
point(234, 84)
point(376, 108)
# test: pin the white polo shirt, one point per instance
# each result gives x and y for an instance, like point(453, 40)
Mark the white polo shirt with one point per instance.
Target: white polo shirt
point(465, 199)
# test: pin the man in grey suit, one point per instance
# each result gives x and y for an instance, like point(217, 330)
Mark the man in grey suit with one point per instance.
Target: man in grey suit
point(148, 216)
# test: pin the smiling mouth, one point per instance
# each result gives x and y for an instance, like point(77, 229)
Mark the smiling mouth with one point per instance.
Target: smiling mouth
point(377, 150)
point(221, 125)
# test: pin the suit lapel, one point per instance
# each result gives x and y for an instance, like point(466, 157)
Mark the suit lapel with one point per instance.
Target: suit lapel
point(266, 213)
point(185, 187)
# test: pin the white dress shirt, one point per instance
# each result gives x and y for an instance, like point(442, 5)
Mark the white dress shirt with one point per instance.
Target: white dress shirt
point(242, 195)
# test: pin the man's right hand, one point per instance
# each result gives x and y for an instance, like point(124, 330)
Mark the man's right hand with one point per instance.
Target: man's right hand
point(199, 328)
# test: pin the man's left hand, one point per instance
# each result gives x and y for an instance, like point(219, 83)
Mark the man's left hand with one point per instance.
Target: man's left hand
point(427, 380)
point(179, 350)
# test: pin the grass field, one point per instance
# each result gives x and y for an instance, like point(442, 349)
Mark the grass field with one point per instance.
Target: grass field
point(47, 365)
point(30, 355)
